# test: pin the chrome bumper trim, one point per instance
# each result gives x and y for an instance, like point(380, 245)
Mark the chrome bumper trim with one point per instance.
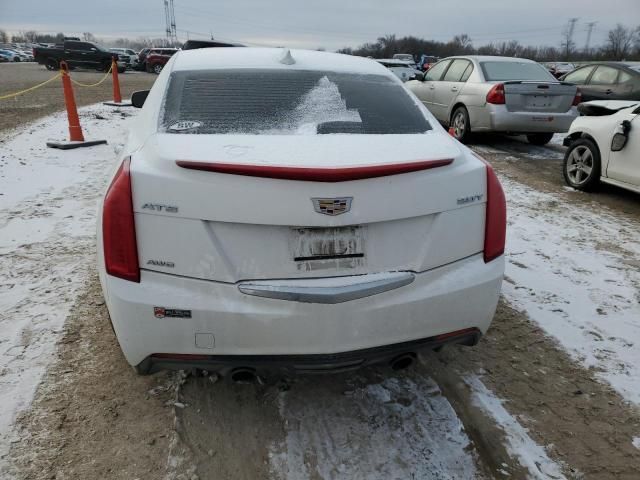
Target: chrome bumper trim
point(308, 293)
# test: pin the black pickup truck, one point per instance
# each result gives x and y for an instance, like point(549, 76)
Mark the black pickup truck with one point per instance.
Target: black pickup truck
point(77, 54)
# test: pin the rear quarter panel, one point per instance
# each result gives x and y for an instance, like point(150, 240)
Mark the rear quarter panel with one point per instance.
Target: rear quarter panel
point(474, 97)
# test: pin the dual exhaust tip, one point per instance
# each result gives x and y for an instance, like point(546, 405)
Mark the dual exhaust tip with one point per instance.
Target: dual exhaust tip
point(246, 375)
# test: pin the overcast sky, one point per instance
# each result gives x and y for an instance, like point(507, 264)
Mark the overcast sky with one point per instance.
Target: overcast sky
point(328, 23)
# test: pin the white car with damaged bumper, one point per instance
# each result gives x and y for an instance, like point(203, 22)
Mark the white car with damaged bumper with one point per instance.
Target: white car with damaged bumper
point(297, 210)
point(604, 146)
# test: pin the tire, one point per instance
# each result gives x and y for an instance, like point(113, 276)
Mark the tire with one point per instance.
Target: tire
point(157, 68)
point(121, 69)
point(105, 67)
point(539, 138)
point(581, 167)
point(461, 124)
point(51, 65)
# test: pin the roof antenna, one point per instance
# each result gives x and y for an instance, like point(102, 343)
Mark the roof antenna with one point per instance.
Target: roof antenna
point(286, 58)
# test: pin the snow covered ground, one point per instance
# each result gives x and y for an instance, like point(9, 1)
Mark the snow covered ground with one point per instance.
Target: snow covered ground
point(398, 428)
point(47, 237)
point(575, 271)
point(530, 455)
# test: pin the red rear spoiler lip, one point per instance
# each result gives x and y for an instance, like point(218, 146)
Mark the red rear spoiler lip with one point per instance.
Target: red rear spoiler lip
point(315, 174)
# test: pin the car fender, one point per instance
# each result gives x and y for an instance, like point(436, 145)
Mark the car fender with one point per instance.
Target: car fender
point(598, 132)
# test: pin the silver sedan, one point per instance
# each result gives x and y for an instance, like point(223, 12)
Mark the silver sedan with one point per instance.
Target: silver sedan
point(497, 94)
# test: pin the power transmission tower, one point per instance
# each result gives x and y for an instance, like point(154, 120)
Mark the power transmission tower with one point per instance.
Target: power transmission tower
point(590, 26)
point(567, 34)
point(170, 22)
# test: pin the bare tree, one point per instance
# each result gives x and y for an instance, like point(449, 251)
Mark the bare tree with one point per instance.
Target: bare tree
point(620, 41)
point(462, 42)
point(4, 37)
point(89, 37)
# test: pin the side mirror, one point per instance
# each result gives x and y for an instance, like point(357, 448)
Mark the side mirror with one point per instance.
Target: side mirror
point(619, 139)
point(138, 98)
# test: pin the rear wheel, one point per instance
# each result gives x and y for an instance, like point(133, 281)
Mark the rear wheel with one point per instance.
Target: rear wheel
point(51, 64)
point(539, 138)
point(157, 68)
point(582, 165)
point(460, 124)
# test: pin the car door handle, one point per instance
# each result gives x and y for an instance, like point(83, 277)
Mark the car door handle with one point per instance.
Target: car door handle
point(608, 91)
point(432, 87)
point(454, 89)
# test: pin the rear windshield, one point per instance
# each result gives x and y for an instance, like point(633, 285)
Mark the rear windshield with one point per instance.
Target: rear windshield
point(504, 71)
point(287, 102)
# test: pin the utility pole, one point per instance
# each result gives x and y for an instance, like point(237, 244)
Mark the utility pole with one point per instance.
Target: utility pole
point(568, 37)
point(170, 22)
point(590, 26)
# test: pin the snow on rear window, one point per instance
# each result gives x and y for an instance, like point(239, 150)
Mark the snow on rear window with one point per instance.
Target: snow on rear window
point(287, 102)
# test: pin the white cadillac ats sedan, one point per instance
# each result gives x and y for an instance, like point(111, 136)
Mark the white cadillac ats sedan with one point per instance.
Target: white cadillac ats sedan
point(294, 210)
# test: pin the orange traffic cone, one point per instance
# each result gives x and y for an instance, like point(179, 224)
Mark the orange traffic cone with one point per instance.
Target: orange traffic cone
point(76, 138)
point(117, 97)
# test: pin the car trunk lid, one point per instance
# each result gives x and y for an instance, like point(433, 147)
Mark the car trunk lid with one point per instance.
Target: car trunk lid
point(229, 226)
point(539, 97)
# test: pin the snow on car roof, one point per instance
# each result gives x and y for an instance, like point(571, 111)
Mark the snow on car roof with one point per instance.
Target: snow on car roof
point(230, 57)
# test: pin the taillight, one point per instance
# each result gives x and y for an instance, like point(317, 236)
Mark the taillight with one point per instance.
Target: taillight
point(495, 228)
point(118, 227)
point(496, 95)
point(577, 99)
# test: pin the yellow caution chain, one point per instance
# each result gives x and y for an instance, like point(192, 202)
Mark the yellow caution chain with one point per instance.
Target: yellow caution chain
point(92, 84)
point(11, 95)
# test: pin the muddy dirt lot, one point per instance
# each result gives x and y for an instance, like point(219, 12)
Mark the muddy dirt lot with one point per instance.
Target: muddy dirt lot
point(92, 417)
point(15, 77)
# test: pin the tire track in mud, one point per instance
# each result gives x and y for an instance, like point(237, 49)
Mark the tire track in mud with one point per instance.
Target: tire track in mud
point(371, 424)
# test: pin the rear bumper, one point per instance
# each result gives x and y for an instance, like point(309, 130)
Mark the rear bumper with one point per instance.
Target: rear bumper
point(502, 120)
point(306, 364)
point(223, 322)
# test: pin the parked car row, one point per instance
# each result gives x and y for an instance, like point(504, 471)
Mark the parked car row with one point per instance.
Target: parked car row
point(403, 69)
point(127, 57)
point(13, 53)
point(519, 96)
